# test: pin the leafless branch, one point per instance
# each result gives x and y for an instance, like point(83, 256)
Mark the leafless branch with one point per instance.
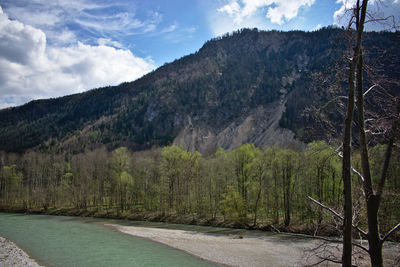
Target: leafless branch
point(374, 133)
point(352, 169)
point(326, 207)
point(322, 248)
point(317, 263)
point(369, 89)
point(275, 229)
point(337, 150)
point(381, 19)
point(363, 233)
point(339, 241)
point(391, 232)
point(331, 240)
point(388, 153)
point(335, 100)
point(383, 89)
point(358, 174)
point(323, 259)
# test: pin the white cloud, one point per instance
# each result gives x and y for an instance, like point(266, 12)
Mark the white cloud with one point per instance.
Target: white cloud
point(233, 9)
point(377, 9)
point(19, 43)
point(286, 10)
point(31, 69)
point(342, 15)
point(170, 28)
point(36, 19)
point(277, 11)
point(109, 42)
point(107, 19)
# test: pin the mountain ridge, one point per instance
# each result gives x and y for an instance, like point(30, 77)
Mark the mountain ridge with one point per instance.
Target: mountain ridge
point(231, 80)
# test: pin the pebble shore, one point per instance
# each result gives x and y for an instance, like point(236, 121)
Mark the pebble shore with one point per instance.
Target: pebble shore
point(241, 250)
point(12, 256)
point(228, 250)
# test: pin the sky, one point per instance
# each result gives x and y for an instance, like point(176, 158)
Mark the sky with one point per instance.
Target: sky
point(52, 48)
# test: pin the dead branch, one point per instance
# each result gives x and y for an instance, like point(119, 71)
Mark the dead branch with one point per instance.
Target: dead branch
point(323, 259)
point(380, 87)
point(275, 229)
point(382, 19)
point(359, 175)
point(388, 152)
point(326, 207)
point(322, 248)
point(332, 101)
point(390, 232)
point(363, 233)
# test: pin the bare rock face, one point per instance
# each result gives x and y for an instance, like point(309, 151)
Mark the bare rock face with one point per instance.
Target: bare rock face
point(260, 126)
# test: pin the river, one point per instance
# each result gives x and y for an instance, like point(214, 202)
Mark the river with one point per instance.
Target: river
point(78, 241)
point(73, 241)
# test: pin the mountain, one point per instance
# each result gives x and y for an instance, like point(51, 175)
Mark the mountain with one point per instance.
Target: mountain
point(250, 86)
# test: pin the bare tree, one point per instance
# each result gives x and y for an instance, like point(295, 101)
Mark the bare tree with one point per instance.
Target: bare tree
point(355, 64)
point(355, 103)
point(372, 198)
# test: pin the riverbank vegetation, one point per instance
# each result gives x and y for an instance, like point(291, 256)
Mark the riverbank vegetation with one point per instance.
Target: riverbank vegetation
point(247, 187)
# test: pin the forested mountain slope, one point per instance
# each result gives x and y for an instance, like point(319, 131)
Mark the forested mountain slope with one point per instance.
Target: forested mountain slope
point(247, 87)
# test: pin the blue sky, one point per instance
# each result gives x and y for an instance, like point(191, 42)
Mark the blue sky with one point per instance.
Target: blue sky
point(51, 48)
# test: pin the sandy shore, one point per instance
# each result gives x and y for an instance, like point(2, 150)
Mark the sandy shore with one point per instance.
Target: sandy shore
point(11, 255)
point(235, 250)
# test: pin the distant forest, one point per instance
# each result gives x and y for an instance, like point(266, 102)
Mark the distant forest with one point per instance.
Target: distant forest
point(247, 187)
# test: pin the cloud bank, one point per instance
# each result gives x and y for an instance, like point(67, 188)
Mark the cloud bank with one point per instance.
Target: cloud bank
point(32, 69)
point(237, 14)
point(61, 19)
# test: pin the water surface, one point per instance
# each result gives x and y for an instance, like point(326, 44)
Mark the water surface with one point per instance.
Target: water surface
point(72, 241)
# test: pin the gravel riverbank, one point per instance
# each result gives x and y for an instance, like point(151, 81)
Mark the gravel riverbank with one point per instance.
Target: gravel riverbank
point(230, 250)
point(12, 256)
point(242, 250)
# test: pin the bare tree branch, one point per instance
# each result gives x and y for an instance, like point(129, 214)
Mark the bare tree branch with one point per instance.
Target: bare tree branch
point(333, 101)
point(374, 133)
point(388, 153)
point(391, 232)
point(369, 89)
point(323, 259)
point(363, 233)
point(382, 19)
point(275, 229)
point(326, 207)
point(327, 239)
point(383, 89)
point(352, 169)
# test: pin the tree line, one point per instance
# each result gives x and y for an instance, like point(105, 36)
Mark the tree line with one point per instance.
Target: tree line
point(246, 187)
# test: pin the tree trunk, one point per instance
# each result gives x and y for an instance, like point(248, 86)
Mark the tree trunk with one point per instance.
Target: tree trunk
point(356, 65)
point(256, 204)
point(374, 241)
point(372, 201)
point(346, 171)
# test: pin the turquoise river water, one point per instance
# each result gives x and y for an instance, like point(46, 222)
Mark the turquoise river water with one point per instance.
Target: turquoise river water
point(72, 241)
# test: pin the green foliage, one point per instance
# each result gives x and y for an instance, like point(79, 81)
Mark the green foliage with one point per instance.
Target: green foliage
point(247, 186)
point(11, 179)
point(233, 206)
point(121, 161)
